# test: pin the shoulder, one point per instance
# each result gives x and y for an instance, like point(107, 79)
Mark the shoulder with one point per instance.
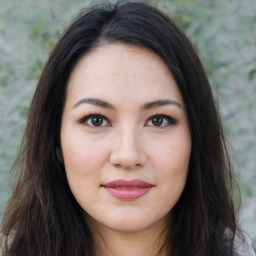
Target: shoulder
point(243, 245)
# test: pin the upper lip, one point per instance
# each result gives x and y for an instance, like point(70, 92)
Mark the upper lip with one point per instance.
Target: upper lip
point(128, 183)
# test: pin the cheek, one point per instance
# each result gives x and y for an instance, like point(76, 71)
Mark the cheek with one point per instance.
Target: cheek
point(81, 156)
point(172, 160)
point(173, 155)
point(83, 164)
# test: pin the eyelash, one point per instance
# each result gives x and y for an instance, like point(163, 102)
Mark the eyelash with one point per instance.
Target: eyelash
point(87, 117)
point(170, 120)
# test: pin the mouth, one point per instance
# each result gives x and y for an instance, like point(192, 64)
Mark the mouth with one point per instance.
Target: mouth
point(128, 190)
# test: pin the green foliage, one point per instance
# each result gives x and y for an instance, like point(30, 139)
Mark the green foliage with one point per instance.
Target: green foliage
point(223, 32)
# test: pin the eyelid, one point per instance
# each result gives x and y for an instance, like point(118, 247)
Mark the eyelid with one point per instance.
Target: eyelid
point(85, 118)
point(171, 120)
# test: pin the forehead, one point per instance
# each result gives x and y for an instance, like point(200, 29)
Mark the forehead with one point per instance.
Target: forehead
point(123, 70)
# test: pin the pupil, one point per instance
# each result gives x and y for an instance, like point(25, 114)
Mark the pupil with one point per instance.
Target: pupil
point(97, 121)
point(157, 121)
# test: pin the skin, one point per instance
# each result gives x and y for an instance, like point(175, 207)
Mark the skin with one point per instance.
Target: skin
point(128, 144)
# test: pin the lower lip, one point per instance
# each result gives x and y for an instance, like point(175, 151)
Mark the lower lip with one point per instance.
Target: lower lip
point(128, 193)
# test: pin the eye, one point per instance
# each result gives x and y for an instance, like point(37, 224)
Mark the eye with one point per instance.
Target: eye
point(161, 121)
point(94, 120)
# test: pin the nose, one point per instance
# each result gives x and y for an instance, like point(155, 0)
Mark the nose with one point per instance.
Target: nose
point(127, 152)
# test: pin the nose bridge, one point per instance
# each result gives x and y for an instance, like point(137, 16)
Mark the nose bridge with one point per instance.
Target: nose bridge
point(127, 149)
point(129, 140)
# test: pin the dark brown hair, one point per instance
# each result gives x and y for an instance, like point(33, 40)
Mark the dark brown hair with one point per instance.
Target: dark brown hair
point(43, 218)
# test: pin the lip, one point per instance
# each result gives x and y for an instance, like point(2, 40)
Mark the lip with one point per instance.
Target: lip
point(128, 189)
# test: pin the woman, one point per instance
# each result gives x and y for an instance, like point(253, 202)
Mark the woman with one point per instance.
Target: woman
point(124, 153)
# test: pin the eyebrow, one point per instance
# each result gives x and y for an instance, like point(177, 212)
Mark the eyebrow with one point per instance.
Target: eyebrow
point(94, 101)
point(160, 103)
point(146, 106)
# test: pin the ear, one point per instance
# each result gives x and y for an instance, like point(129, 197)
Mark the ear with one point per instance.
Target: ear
point(59, 155)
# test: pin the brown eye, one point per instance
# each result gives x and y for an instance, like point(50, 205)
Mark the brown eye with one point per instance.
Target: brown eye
point(161, 121)
point(97, 121)
point(157, 121)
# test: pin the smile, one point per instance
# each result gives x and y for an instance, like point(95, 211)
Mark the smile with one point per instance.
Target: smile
point(128, 190)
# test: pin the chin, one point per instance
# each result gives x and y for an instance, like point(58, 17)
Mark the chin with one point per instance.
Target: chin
point(129, 226)
point(134, 224)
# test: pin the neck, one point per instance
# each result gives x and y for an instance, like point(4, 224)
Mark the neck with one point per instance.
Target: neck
point(109, 242)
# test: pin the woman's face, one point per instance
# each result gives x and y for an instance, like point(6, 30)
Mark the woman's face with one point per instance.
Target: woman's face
point(125, 138)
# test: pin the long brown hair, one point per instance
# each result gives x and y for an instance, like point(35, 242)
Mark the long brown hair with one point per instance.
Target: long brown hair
point(43, 218)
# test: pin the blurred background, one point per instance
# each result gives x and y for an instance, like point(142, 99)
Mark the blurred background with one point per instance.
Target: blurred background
point(223, 32)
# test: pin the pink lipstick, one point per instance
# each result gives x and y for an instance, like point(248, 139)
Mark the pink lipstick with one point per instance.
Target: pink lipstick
point(128, 190)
